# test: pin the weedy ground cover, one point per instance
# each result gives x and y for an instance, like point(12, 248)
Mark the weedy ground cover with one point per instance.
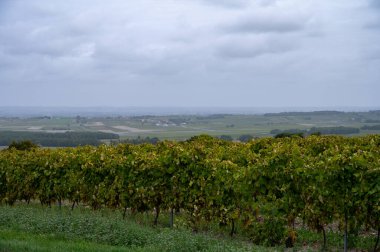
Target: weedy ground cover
point(38, 228)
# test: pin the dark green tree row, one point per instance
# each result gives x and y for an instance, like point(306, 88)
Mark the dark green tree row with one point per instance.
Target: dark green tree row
point(371, 127)
point(340, 130)
point(263, 185)
point(67, 139)
point(141, 140)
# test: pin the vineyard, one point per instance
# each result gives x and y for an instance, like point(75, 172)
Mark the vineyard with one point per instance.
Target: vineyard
point(262, 187)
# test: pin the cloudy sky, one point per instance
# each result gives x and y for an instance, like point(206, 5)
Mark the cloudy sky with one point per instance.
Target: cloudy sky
point(228, 53)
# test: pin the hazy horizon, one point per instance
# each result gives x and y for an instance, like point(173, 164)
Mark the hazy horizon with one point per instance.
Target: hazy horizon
point(20, 111)
point(201, 53)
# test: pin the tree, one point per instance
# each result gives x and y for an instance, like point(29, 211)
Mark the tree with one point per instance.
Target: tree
point(23, 145)
point(226, 138)
point(245, 138)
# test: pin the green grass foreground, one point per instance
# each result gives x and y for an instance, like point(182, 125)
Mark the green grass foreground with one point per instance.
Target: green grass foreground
point(37, 228)
point(19, 241)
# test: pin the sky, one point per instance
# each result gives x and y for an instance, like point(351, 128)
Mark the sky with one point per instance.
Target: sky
point(190, 53)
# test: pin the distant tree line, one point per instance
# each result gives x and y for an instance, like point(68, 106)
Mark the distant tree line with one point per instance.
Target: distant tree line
point(23, 145)
point(67, 139)
point(372, 127)
point(288, 131)
point(288, 134)
point(139, 140)
point(214, 116)
point(226, 137)
point(243, 138)
point(371, 121)
point(340, 130)
point(313, 113)
point(154, 140)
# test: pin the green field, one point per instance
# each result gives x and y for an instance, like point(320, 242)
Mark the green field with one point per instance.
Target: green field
point(180, 127)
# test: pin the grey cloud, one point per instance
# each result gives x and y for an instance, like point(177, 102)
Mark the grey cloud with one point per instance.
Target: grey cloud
point(267, 2)
point(166, 68)
point(170, 50)
point(266, 23)
point(375, 3)
point(239, 3)
point(373, 25)
point(4, 5)
point(374, 56)
point(227, 3)
point(252, 49)
point(6, 61)
point(51, 38)
point(42, 40)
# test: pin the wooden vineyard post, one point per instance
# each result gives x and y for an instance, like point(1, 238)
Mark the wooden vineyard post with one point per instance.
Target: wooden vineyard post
point(171, 218)
point(345, 233)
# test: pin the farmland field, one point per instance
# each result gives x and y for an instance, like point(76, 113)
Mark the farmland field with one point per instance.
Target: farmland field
point(181, 127)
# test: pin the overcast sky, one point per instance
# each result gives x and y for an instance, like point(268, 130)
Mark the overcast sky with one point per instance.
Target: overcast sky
point(228, 53)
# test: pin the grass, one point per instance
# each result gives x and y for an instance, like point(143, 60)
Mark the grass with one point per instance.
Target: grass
point(314, 241)
point(36, 228)
point(19, 241)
